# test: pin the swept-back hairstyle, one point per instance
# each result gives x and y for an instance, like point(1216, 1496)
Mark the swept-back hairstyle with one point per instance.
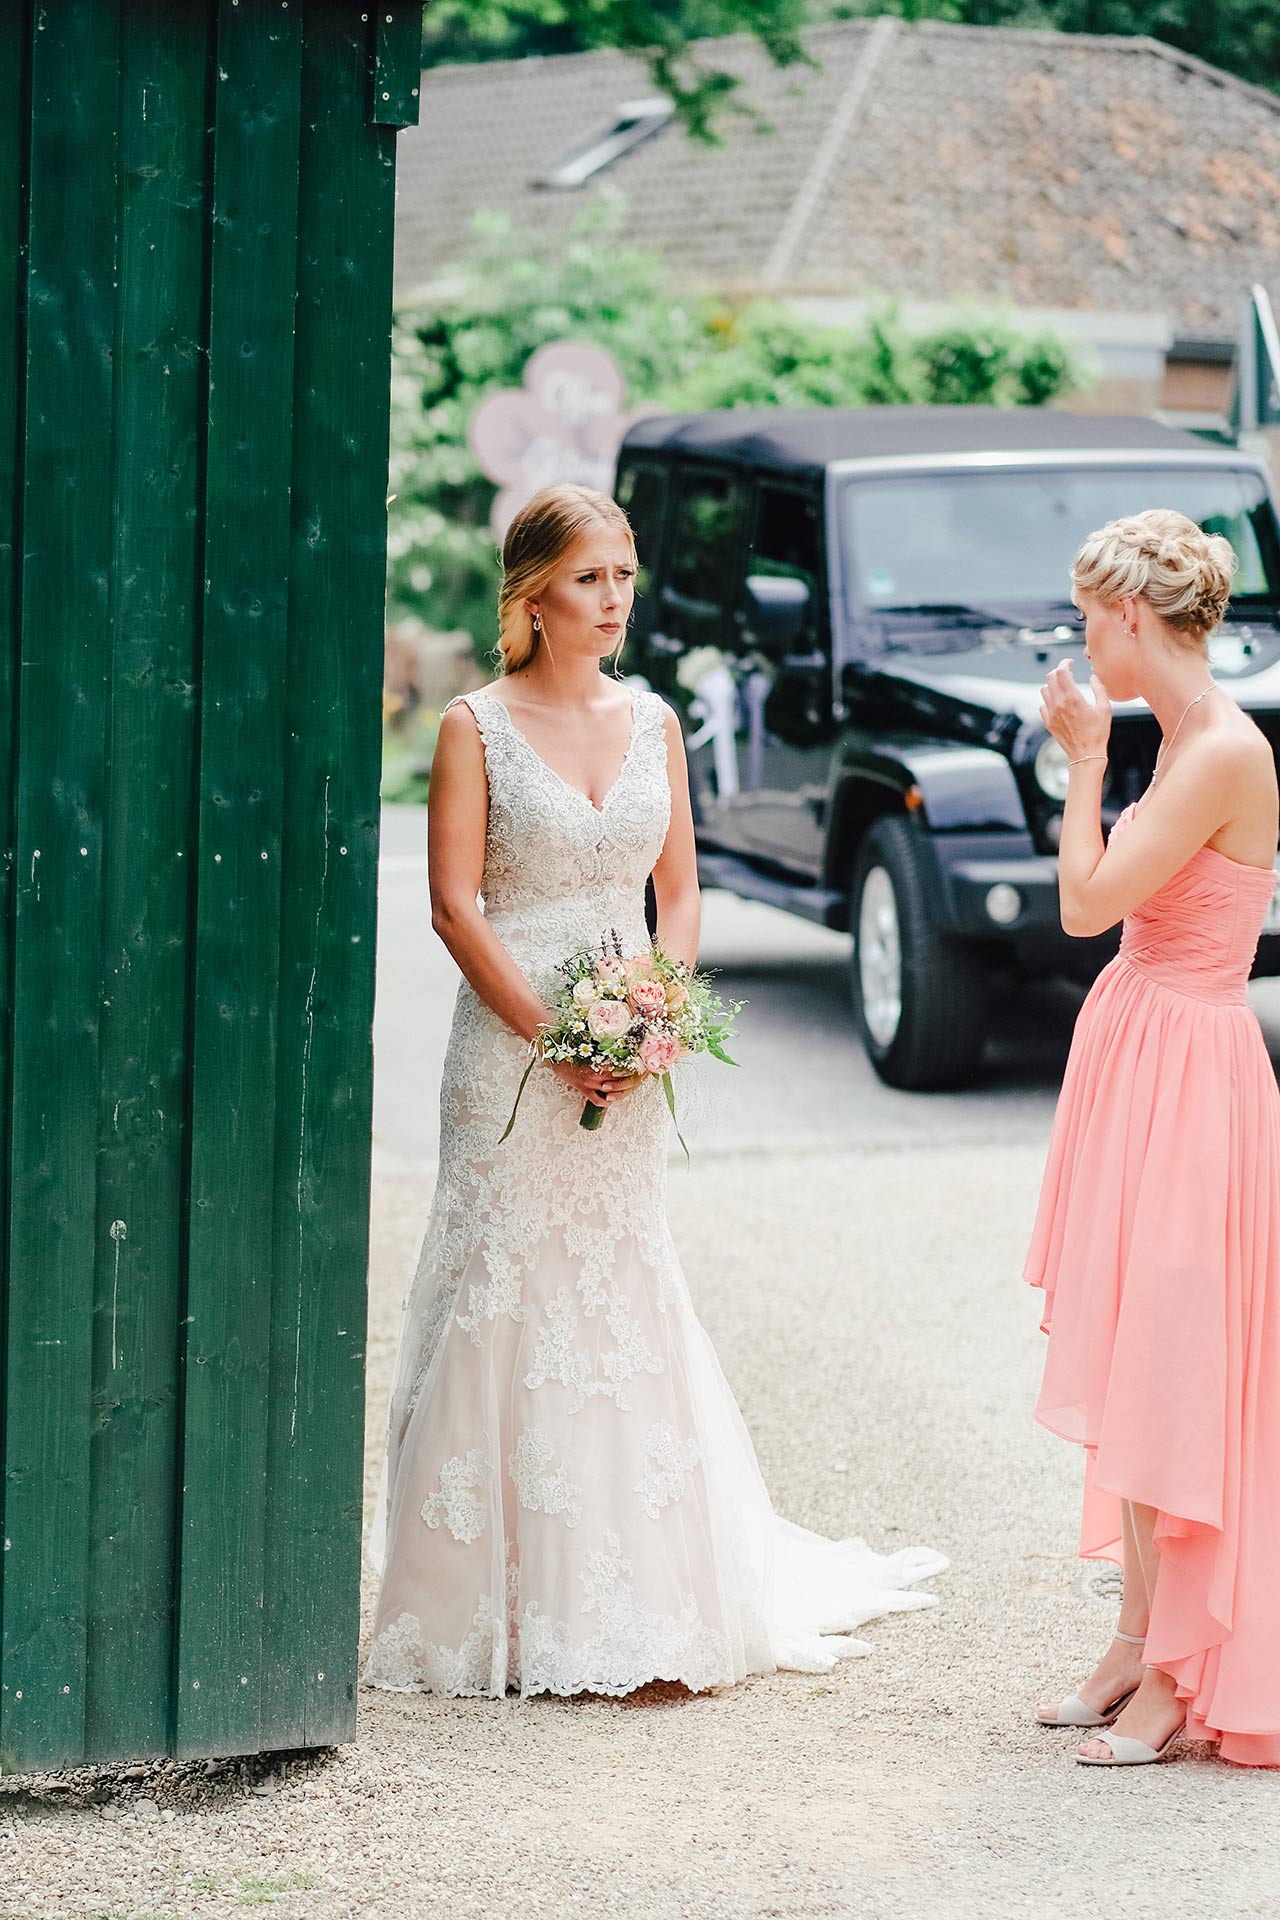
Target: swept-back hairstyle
point(537, 540)
point(1182, 572)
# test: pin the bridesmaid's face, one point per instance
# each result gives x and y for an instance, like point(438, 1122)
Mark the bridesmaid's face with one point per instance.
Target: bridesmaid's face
point(1109, 645)
point(586, 603)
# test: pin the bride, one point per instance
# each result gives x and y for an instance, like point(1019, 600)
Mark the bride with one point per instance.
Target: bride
point(571, 1503)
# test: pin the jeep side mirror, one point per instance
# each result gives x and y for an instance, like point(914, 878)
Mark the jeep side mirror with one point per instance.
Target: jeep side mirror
point(776, 612)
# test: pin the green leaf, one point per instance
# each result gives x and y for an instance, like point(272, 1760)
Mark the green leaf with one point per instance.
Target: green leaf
point(670, 1092)
point(524, 1080)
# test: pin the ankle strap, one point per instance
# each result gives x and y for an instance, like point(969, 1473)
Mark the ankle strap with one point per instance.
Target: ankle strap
point(1133, 1639)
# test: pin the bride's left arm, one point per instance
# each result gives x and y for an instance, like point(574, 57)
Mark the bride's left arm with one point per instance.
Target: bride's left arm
point(675, 876)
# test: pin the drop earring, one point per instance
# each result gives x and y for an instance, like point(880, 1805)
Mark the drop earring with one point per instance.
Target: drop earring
point(537, 623)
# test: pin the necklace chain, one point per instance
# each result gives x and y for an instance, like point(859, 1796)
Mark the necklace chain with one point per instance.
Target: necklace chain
point(1165, 745)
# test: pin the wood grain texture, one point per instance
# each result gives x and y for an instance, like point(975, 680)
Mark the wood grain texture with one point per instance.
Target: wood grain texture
point(397, 63)
point(193, 427)
point(62, 698)
point(14, 202)
point(246, 568)
point(150, 793)
point(332, 754)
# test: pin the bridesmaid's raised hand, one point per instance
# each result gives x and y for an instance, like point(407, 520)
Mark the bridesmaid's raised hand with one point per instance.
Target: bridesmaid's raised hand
point(1080, 728)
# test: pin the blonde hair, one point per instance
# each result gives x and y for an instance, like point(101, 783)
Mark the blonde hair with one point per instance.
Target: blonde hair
point(537, 541)
point(1182, 572)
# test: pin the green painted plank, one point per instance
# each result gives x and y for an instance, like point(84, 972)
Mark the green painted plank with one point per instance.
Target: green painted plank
point(246, 507)
point(56, 985)
point(324, 1120)
point(397, 63)
point(14, 77)
point(160, 398)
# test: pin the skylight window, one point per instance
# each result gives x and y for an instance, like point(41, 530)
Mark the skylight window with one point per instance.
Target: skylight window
point(634, 121)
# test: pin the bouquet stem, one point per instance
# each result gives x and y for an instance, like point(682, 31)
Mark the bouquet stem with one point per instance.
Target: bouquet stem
point(592, 1116)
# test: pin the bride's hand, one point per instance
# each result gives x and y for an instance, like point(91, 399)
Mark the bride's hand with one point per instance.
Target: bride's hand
point(595, 1084)
point(1081, 730)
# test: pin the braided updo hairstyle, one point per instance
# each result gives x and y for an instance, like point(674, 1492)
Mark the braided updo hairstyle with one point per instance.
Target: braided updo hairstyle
point(1182, 572)
point(538, 539)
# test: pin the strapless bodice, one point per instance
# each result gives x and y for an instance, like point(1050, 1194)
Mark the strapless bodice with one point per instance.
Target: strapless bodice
point(1198, 933)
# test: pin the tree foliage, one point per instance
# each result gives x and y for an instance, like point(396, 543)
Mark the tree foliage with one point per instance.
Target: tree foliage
point(1241, 36)
point(659, 31)
point(678, 354)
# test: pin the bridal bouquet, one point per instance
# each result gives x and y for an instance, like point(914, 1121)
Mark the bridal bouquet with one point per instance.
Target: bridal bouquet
point(633, 1014)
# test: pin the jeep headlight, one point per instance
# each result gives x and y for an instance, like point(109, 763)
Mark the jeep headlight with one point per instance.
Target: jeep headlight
point(1051, 770)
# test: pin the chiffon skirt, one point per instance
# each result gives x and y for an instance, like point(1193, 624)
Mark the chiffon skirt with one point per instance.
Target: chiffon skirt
point(1157, 1243)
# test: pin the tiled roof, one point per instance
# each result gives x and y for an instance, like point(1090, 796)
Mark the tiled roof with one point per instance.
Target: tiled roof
point(922, 161)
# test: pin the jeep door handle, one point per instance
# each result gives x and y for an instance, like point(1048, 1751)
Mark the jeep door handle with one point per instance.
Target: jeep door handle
point(664, 643)
point(804, 662)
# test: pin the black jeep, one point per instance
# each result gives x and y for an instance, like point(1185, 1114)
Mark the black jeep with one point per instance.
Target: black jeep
point(853, 611)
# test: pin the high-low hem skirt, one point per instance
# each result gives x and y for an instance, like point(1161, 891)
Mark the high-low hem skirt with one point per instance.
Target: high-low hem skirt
point(1157, 1243)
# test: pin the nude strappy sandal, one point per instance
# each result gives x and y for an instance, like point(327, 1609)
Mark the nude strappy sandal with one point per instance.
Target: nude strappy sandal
point(1073, 1711)
point(1131, 1753)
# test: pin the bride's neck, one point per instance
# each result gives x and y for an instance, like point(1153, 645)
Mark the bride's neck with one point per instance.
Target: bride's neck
point(567, 683)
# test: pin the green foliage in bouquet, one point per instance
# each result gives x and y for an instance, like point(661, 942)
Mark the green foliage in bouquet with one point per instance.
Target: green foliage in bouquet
point(631, 1014)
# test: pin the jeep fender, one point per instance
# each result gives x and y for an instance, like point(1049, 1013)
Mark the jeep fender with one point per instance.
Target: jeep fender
point(948, 786)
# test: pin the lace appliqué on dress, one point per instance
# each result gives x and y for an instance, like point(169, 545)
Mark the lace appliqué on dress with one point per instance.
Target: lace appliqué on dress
point(669, 1465)
point(540, 1488)
point(459, 1502)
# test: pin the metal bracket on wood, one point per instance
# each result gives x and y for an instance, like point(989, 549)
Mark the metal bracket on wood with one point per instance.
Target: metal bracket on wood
point(397, 63)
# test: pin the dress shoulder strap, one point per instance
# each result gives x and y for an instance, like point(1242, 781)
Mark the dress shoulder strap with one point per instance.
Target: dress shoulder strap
point(487, 712)
point(650, 713)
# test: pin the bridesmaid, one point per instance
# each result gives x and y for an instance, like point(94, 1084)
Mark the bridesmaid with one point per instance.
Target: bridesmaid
point(1157, 1240)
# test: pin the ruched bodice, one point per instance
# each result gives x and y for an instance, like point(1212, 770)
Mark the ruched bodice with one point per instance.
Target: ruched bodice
point(1199, 934)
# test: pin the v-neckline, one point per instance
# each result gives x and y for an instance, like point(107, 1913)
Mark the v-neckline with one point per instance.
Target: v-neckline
point(548, 768)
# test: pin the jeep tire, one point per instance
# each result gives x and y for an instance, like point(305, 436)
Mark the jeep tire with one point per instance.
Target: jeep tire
point(920, 998)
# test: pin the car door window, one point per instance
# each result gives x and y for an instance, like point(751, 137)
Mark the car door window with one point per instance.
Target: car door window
point(705, 547)
point(784, 538)
point(642, 494)
point(784, 545)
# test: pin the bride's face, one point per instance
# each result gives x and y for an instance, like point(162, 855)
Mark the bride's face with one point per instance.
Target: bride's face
point(586, 602)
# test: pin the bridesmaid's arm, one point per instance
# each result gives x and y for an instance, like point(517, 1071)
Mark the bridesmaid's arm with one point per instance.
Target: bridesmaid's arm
point(1196, 797)
point(458, 812)
point(675, 877)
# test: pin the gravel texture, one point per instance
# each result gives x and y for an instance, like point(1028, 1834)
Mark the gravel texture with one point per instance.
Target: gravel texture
point(867, 1309)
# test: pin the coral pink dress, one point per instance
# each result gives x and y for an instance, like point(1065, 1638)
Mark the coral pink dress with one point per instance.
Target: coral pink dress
point(1157, 1243)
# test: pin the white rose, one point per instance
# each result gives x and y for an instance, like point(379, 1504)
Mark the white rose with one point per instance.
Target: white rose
point(585, 993)
point(608, 1020)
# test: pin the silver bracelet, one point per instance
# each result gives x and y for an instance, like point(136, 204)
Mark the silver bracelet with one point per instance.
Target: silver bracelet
point(1085, 757)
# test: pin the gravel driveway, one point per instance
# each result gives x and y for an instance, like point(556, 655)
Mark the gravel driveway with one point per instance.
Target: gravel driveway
point(866, 1309)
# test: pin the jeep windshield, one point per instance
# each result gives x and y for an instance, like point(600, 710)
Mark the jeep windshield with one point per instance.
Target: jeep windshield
point(931, 559)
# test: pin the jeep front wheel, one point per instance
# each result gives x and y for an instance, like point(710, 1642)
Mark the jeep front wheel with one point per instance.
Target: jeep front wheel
point(920, 998)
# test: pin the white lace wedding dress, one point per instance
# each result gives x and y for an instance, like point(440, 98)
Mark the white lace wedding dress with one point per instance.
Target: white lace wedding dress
point(571, 1501)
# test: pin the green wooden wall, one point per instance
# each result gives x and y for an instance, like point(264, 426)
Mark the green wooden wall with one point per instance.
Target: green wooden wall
point(193, 463)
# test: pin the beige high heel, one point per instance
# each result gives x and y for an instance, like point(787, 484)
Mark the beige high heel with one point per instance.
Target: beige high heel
point(1073, 1712)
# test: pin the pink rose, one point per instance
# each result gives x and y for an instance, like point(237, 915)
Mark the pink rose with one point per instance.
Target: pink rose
point(609, 1019)
point(610, 971)
point(659, 1052)
point(639, 967)
point(648, 998)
